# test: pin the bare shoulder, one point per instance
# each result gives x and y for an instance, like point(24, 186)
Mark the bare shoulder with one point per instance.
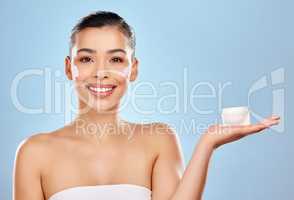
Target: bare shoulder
point(37, 146)
point(161, 135)
point(167, 143)
point(166, 137)
point(31, 150)
point(29, 160)
point(155, 128)
point(32, 145)
point(32, 156)
point(40, 141)
point(163, 132)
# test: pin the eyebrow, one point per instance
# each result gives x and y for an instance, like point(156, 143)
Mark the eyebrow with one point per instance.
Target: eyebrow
point(94, 51)
point(86, 50)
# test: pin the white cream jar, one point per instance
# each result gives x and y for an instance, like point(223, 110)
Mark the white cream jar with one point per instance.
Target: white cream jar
point(236, 116)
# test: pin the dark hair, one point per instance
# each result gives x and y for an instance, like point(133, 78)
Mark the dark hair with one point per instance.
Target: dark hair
point(100, 19)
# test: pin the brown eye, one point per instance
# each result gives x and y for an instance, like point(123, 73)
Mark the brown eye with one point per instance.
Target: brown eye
point(116, 60)
point(85, 59)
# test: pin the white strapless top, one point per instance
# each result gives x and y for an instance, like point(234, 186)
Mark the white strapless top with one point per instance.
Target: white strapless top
point(104, 192)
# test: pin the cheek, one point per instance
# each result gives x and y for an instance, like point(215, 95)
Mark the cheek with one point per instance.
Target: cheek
point(78, 74)
point(125, 72)
point(122, 76)
point(122, 73)
point(74, 72)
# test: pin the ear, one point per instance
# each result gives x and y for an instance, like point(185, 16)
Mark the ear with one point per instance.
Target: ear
point(67, 67)
point(134, 70)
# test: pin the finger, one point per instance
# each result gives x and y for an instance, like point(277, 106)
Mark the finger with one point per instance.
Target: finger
point(244, 129)
point(266, 123)
point(275, 117)
point(253, 129)
point(270, 122)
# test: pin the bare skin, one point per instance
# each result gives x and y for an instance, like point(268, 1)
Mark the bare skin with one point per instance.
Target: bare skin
point(193, 181)
point(64, 160)
point(148, 155)
point(51, 162)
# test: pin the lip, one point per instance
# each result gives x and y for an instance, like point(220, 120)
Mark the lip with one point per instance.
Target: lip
point(101, 90)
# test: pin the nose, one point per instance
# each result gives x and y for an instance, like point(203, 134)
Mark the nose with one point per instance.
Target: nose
point(101, 74)
point(101, 71)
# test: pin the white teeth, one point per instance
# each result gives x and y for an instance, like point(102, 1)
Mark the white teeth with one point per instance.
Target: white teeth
point(100, 89)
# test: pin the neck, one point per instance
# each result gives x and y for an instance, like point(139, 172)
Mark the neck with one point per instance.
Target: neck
point(90, 122)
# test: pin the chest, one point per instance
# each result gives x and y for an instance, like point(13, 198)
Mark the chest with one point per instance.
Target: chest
point(109, 164)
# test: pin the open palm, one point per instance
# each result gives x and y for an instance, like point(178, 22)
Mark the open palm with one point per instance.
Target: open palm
point(222, 134)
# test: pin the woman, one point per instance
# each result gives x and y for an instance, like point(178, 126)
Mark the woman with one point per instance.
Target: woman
point(100, 155)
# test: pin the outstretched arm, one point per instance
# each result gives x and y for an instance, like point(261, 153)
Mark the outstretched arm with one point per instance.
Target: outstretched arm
point(191, 184)
point(193, 181)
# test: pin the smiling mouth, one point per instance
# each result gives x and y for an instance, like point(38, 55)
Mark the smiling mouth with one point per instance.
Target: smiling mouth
point(101, 90)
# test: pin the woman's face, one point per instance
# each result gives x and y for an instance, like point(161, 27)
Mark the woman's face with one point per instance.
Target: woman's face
point(101, 66)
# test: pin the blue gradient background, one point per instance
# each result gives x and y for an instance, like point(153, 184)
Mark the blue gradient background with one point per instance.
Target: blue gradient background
point(217, 41)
